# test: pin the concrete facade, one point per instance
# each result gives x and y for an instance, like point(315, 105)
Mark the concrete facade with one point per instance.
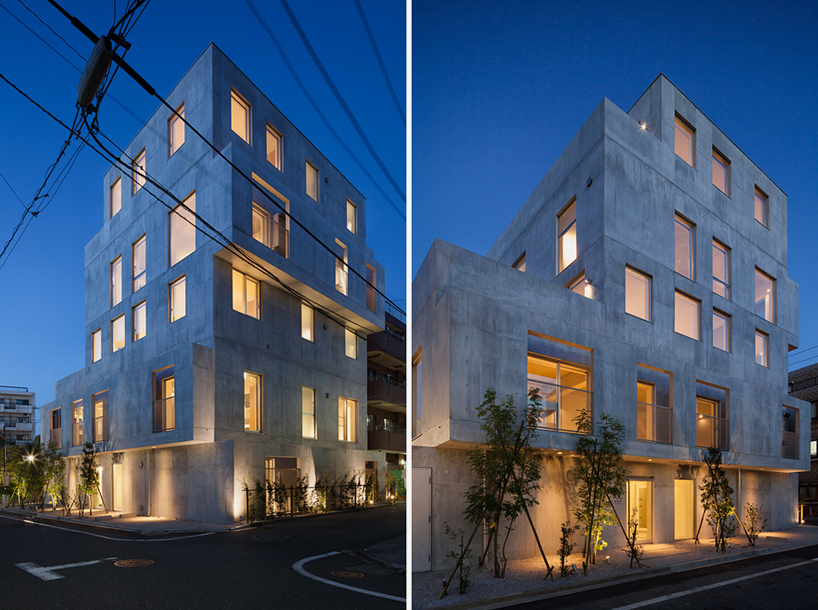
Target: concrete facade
point(478, 322)
point(210, 441)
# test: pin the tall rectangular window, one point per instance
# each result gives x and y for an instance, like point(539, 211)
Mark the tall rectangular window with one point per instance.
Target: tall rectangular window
point(96, 345)
point(347, 419)
point(721, 269)
point(183, 229)
point(721, 172)
point(654, 421)
point(118, 333)
point(352, 220)
point(139, 263)
point(685, 141)
point(760, 211)
point(252, 402)
point(164, 400)
point(55, 433)
point(176, 129)
point(240, 116)
point(177, 300)
point(308, 413)
point(307, 322)
point(341, 273)
point(417, 388)
point(765, 296)
point(116, 281)
point(116, 197)
point(312, 180)
point(762, 348)
point(138, 171)
point(567, 235)
point(687, 316)
point(721, 330)
point(712, 422)
point(246, 295)
point(789, 433)
point(273, 147)
point(685, 247)
point(76, 423)
point(371, 285)
point(140, 321)
point(637, 294)
point(100, 401)
point(350, 344)
point(564, 388)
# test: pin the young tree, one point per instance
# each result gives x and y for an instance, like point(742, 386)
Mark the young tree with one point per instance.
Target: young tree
point(54, 474)
point(717, 499)
point(755, 524)
point(88, 476)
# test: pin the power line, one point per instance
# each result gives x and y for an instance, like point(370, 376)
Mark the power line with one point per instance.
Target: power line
point(52, 30)
point(317, 108)
point(804, 351)
point(12, 190)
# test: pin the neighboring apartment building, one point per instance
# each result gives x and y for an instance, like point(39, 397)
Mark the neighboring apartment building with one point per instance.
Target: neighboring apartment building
point(17, 414)
point(205, 369)
point(804, 385)
point(645, 277)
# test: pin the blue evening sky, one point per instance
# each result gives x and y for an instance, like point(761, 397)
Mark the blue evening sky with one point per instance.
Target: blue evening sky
point(42, 323)
point(500, 88)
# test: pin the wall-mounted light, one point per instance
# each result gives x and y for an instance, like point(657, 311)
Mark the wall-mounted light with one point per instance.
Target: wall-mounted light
point(643, 125)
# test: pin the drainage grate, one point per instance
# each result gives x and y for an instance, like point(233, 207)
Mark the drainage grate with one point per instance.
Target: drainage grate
point(133, 563)
point(347, 574)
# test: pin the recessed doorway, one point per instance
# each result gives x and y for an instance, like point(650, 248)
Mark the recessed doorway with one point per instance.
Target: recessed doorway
point(684, 491)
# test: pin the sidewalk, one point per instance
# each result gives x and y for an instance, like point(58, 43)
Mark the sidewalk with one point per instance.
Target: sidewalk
point(524, 578)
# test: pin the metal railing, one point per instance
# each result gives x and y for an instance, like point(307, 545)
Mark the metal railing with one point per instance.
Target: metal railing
point(164, 414)
point(789, 445)
point(388, 379)
point(653, 423)
point(100, 428)
point(386, 428)
point(273, 233)
point(76, 434)
point(55, 436)
point(712, 432)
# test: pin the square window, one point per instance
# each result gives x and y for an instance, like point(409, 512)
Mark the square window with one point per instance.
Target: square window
point(118, 333)
point(183, 230)
point(138, 171)
point(352, 222)
point(350, 344)
point(273, 147)
point(240, 116)
point(685, 141)
point(246, 295)
point(164, 400)
point(140, 321)
point(765, 296)
point(177, 304)
point(176, 129)
point(721, 172)
point(252, 402)
point(519, 264)
point(685, 247)
point(139, 263)
point(308, 413)
point(637, 294)
point(721, 269)
point(312, 181)
point(116, 197)
point(760, 210)
point(341, 273)
point(116, 281)
point(721, 330)
point(567, 236)
point(762, 348)
point(347, 419)
point(307, 322)
point(687, 316)
point(96, 345)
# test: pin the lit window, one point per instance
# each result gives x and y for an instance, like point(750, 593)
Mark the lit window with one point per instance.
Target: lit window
point(177, 304)
point(789, 430)
point(762, 348)
point(712, 421)
point(139, 264)
point(116, 281)
point(307, 322)
point(312, 181)
point(687, 316)
point(96, 345)
point(246, 295)
point(100, 402)
point(139, 321)
point(351, 217)
point(765, 295)
point(564, 391)
point(252, 402)
point(654, 421)
point(176, 129)
point(272, 232)
point(580, 285)
point(813, 449)
point(567, 240)
point(519, 264)
point(417, 387)
point(341, 272)
point(116, 197)
point(138, 171)
point(350, 344)
point(721, 172)
point(183, 229)
point(721, 269)
point(721, 330)
point(637, 294)
point(273, 147)
point(240, 116)
point(76, 423)
point(164, 400)
point(685, 243)
point(118, 333)
point(308, 413)
point(55, 435)
point(685, 142)
point(347, 419)
point(761, 209)
point(371, 284)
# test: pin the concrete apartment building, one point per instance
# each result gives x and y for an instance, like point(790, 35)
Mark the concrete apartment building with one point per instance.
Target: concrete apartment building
point(645, 277)
point(205, 369)
point(18, 412)
point(804, 385)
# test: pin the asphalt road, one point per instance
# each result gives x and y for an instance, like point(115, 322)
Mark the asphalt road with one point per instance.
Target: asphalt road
point(248, 569)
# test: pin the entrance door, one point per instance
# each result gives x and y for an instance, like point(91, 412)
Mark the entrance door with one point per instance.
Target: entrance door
point(421, 519)
point(684, 508)
point(640, 507)
point(116, 502)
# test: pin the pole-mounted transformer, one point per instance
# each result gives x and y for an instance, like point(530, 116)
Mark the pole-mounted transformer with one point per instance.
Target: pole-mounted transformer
point(94, 73)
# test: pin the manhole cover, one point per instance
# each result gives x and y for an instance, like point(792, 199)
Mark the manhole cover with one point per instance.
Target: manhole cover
point(133, 563)
point(270, 537)
point(347, 574)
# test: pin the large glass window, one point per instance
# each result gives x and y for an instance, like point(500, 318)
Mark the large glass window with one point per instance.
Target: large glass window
point(721, 269)
point(347, 419)
point(685, 141)
point(761, 208)
point(640, 507)
point(654, 421)
point(177, 300)
point(164, 400)
point(183, 230)
point(712, 423)
point(118, 333)
point(637, 294)
point(308, 413)
point(721, 330)
point(116, 281)
point(762, 348)
point(685, 247)
point(307, 322)
point(252, 402)
point(96, 345)
point(271, 231)
point(240, 116)
point(76, 423)
point(687, 316)
point(140, 321)
point(273, 147)
point(352, 217)
point(312, 180)
point(116, 197)
point(246, 295)
point(350, 344)
point(341, 273)
point(138, 171)
point(100, 401)
point(721, 172)
point(765, 296)
point(789, 431)
point(176, 129)
point(564, 389)
point(139, 264)
point(567, 232)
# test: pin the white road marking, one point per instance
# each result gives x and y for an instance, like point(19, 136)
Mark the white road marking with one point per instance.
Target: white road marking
point(47, 573)
point(664, 598)
point(298, 566)
point(68, 529)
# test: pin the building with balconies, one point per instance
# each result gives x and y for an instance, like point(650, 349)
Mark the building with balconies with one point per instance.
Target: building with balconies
point(225, 325)
point(803, 384)
point(18, 413)
point(646, 278)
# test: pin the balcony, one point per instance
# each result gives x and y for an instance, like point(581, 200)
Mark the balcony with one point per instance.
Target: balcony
point(789, 445)
point(164, 414)
point(76, 434)
point(386, 389)
point(392, 439)
point(653, 423)
point(391, 344)
point(712, 432)
point(101, 428)
point(272, 232)
point(54, 436)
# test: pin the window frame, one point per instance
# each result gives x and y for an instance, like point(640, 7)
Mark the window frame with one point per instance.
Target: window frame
point(308, 324)
point(764, 355)
point(96, 345)
point(687, 127)
point(138, 179)
point(761, 275)
point(77, 432)
point(245, 280)
point(727, 333)
point(347, 419)
point(580, 285)
point(116, 281)
point(350, 344)
point(181, 227)
point(317, 175)
point(643, 372)
point(759, 195)
point(172, 305)
point(564, 234)
point(163, 413)
point(634, 272)
point(519, 264)
point(143, 306)
point(352, 217)
point(341, 268)
point(101, 428)
point(239, 100)
point(116, 195)
point(680, 222)
point(140, 278)
point(721, 159)
point(561, 390)
point(305, 390)
point(259, 398)
point(723, 283)
point(114, 322)
point(175, 117)
point(678, 294)
point(275, 135)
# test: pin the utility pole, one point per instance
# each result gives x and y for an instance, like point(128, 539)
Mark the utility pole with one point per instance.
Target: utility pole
point(5, 474)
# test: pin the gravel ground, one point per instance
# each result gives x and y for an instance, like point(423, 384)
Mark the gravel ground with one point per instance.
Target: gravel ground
point(527, 574)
